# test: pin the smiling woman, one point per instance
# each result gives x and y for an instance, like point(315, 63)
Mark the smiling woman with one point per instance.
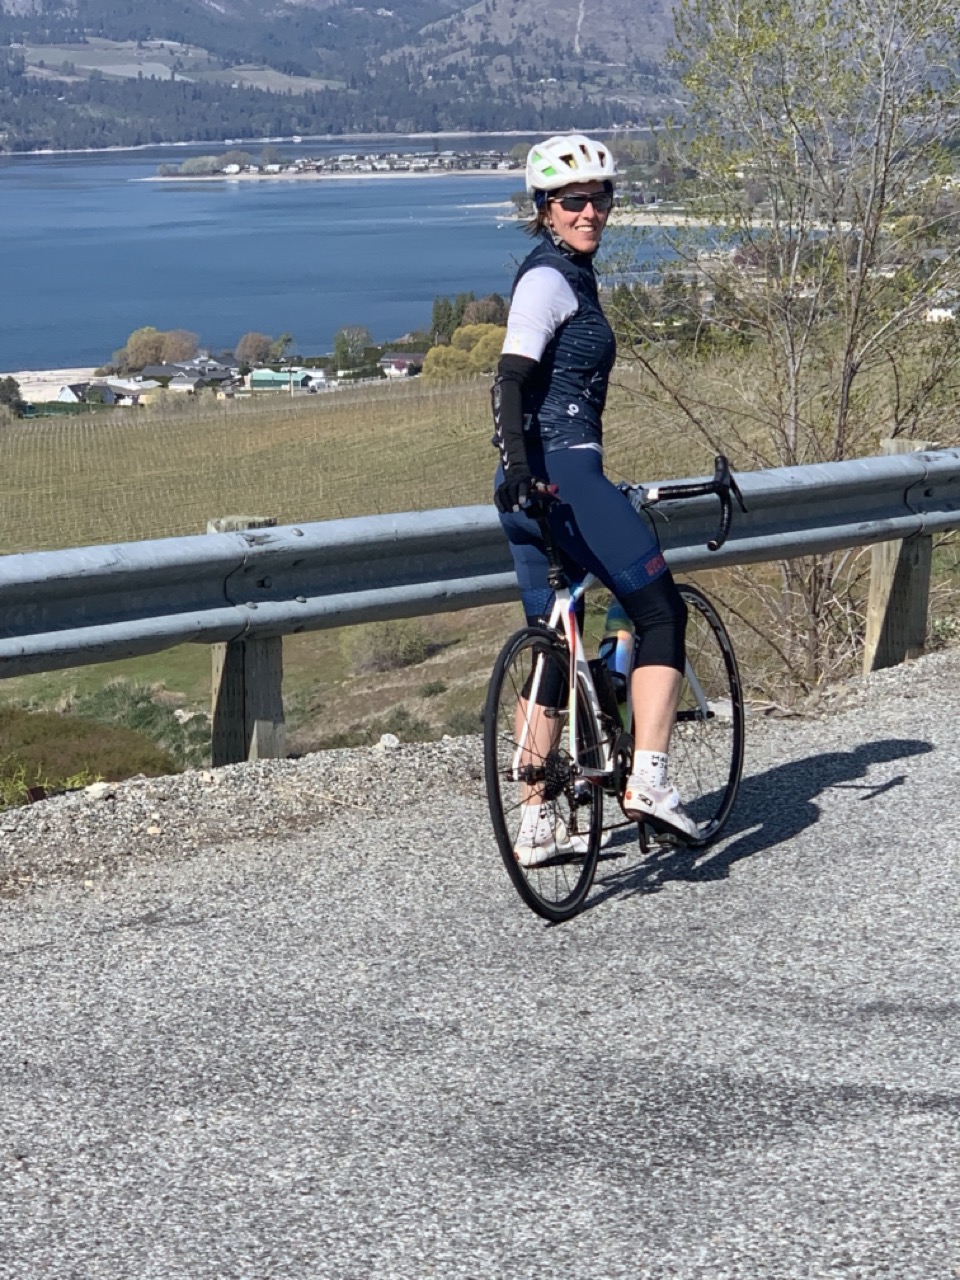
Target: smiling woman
point(550, 488)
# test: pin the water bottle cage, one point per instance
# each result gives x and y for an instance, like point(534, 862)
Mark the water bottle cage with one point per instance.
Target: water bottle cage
point(603, 682)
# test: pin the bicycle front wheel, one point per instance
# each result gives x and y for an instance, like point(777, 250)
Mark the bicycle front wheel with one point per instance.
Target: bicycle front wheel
point(706, 750)
point(546, 817)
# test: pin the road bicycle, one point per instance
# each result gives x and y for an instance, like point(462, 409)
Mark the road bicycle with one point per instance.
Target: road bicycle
point(556, 733)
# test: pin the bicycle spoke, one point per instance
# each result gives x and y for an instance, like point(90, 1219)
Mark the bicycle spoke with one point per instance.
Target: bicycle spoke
point(547, 821)
point(706, 750)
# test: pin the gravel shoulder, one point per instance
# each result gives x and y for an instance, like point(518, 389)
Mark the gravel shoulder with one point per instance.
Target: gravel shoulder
point(96, 831)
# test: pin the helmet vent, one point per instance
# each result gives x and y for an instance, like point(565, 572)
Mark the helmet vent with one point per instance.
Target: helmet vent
point(556, 161)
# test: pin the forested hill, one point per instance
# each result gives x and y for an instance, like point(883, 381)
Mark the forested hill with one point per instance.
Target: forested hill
point(116, 72)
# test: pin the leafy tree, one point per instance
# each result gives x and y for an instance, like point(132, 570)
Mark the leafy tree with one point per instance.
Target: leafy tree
point(446, 362)
point(473, 349)
point(200, 166)
point(278, 348)
point(155, 346)
point(241, 158)
point(144, 346)
point(460, 304)
point(178, 344)
point(441, 321)
point(629, 311)
point(835, 118)
point(253, 349)
point(350, 345)
point(489, 310)
point(449, 314)
point(10, 397)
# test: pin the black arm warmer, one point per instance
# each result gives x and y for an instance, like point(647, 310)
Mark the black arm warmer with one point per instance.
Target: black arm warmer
point(513, 372)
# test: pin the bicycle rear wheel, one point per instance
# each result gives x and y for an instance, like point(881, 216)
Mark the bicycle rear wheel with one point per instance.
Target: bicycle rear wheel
point(528, 763)
point(706, 750)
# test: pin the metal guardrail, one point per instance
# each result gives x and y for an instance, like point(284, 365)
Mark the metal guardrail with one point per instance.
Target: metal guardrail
point(93, 604)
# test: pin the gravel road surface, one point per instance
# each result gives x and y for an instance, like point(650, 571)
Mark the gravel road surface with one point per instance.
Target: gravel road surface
point(291, 1021)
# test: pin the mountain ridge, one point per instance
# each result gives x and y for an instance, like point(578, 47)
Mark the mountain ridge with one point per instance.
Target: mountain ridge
point(415, 66)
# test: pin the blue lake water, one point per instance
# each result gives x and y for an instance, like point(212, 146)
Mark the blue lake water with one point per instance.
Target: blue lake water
point(89, 251)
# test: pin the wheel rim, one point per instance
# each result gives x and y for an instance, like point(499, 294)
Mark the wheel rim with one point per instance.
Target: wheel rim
point(706, 754)
point(529, 763)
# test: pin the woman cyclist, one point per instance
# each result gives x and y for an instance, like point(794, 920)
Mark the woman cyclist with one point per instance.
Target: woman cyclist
point(548, 398)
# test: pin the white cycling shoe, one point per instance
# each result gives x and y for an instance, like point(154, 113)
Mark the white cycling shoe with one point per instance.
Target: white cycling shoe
point(660, 807)
point(542, 835)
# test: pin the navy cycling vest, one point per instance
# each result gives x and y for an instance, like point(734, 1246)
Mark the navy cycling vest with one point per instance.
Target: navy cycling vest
point(565, 397)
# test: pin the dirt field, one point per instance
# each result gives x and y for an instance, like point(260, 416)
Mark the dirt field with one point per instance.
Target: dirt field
point(37, 385)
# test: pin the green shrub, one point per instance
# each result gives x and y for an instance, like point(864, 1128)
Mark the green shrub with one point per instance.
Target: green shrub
point(134, 705)
point(55, 752)
point(387, 646)
point(20, 784)
point(433, 688)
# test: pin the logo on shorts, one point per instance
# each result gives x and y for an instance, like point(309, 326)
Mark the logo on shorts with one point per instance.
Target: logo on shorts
point(656, 564)
point(573, 409)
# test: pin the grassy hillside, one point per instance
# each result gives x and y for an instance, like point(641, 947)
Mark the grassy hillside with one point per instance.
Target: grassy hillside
point(408, 446)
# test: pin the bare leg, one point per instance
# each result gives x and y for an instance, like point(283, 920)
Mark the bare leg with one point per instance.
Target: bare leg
point(536, 735)
point(656, 692)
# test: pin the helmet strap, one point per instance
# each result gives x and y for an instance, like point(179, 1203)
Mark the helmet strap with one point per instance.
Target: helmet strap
point(567, 250)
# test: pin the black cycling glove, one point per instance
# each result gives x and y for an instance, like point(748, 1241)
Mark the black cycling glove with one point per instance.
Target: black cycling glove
point(514, 494)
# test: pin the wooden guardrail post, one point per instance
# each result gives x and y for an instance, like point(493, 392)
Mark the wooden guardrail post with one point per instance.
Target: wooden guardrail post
point(899, 591)
point(247, 697)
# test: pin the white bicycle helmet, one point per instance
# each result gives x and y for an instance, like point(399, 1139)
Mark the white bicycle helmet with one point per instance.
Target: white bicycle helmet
point(566, 158)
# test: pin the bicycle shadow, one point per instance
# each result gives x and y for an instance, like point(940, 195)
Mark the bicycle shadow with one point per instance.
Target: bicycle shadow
point(772, 807)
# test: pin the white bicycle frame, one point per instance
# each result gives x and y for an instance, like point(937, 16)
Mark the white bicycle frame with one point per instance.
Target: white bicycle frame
point(563, 617)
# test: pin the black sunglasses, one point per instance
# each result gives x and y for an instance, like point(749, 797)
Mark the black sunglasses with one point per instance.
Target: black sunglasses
point(577, 201)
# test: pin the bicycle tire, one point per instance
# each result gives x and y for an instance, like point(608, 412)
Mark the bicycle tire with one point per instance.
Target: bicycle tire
point(515, 766)
point(706, 751)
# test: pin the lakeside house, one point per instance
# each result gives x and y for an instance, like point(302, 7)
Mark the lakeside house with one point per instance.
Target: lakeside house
point(73, 393)
point(291, 380)
point(108, 391)
point(402, 364)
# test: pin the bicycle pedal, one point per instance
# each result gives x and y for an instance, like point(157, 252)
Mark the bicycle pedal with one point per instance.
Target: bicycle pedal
point(654, 841)
point(666, 840)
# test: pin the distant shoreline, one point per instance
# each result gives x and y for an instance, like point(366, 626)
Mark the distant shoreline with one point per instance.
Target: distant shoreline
point(295, 140)
point(312, 175)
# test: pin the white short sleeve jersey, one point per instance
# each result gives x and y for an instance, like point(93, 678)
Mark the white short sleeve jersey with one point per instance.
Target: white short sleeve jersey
point(541, 302)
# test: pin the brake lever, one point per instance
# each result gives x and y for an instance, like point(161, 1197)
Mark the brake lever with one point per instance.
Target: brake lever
point(724, 484)
point(725, 517)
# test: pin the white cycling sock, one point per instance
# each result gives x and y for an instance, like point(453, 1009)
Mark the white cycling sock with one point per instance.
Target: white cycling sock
point(651, 767)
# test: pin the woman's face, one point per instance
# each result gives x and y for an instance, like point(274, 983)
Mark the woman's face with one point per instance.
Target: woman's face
point(581, 229)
